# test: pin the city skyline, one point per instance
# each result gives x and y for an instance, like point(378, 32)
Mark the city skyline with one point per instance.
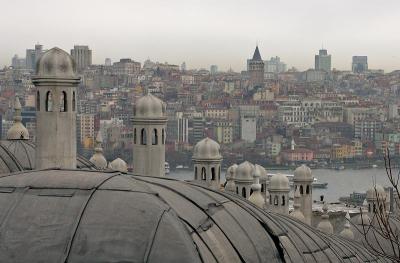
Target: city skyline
point(206, 33)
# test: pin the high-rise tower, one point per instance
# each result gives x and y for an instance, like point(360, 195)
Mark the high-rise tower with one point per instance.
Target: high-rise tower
point(323, 61)
point(56, 84)
point(256, 70)
point(149, 122)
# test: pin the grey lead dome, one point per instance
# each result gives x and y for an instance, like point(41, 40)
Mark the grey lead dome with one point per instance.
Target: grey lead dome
point(91, 216)
point(207, 149)
point(149, 106)
point(56, 63)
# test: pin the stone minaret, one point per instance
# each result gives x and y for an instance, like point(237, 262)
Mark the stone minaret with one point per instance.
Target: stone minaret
point(149, 123)
point(279, 194)
point(56, 84)
point(303, 180)
point(207, 163)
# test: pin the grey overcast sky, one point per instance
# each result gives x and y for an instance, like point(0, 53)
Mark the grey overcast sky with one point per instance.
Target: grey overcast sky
point(205, 32)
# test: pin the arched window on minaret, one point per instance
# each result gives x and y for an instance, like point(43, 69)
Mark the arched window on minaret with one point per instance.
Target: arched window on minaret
point(38, 101)
point(283, 200)
point(244, 192)
point(276, 200)
point(49, 101)
point(213, 173)
point(301, 189)
point(163, 136)
point(154, 137)
point(195, 173)
point(143, 137)
point(308, 189)
point(134, 136)
point(237, 189)
point(203, 173)
point(63, 102)
point(219, 174)
point(73, 101)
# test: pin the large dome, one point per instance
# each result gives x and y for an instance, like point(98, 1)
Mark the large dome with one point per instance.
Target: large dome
point(149, 106)
point(91, 216)
point(56, 63)
point(207, 149)
point(23, 152)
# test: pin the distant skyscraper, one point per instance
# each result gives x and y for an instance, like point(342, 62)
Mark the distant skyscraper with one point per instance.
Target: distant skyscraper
point(82, 56)
point(17, 62)
point(32, 56)
point(274, 65)
point(107, 62)
point(359, 64)
point(183, 66)
point(323, 61)
point(256, 69)
point(213, 69)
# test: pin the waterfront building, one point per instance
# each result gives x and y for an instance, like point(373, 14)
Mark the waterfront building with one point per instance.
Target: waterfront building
point(82, 56)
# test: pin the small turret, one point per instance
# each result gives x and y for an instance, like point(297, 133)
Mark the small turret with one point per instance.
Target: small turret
point(296, 207)
point(256, 196)
point(230, 176)
point(119, 165)
point(17, 130)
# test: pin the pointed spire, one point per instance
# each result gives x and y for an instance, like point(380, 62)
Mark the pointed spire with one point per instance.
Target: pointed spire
point(256, 55)
point(347, 232)
point(17, 130)
point(98, 158)
point(256, 197)
point(325, 225)
point(296, 206)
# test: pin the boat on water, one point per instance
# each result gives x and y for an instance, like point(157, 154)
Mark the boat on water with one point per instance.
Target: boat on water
point(166, 167)
point(339, 167)
point(374, 166)
point(179, 166)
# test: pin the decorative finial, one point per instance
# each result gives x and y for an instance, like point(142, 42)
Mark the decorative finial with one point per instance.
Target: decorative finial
point(256, 197)
point(347, 232)
point(325, 225)
point(17, 130)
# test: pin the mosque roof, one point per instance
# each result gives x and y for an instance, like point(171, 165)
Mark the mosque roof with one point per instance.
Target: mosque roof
point(81, 216)
point(23, 152)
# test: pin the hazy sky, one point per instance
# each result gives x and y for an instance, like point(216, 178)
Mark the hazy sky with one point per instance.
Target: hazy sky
point(205, 32)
